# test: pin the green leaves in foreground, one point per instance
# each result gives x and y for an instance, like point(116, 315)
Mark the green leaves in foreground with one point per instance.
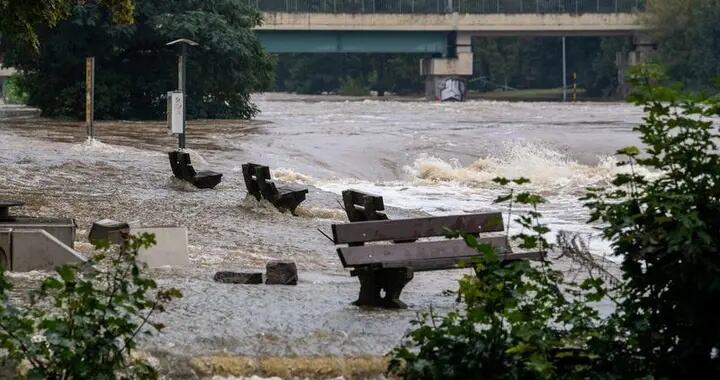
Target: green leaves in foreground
point(518, 321)
point(83, 322)
point(661, 214)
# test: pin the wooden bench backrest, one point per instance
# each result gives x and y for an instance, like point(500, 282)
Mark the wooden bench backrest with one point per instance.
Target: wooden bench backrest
point(185, 165)
point(174, 164)
point(265, 183)
point(250, 180)
point(362, 207)
point(409, 229)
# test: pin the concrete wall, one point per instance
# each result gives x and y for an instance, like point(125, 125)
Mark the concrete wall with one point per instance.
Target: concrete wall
point(26, 250)
point(478, 24)
point(171, 248)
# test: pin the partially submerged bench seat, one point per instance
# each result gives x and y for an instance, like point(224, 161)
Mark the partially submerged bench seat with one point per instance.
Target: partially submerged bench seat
point(385, 269)
point(259, 184)
point(182, 168)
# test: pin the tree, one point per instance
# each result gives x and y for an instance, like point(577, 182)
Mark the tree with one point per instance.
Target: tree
point(134, 67)
point(21, 19)
point(316, 73)
point(688, 37)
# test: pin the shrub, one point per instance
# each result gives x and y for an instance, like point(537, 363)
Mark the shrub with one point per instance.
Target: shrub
point(519, 321)
point(83, 322)
point(14, 93)
point(666, 230)
point(353, 87)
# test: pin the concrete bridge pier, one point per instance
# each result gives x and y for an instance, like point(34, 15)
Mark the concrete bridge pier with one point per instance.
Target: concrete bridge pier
point(642, 49)
point(451, 70)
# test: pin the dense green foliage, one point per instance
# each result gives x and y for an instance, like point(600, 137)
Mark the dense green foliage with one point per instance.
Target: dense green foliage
point(537, 63)
point(14, 93)
point(688, 37)
point(20, 19)
point(349, 74)
point(667, 232)
point(135, 69)
point(522, 321)
point(83, 322)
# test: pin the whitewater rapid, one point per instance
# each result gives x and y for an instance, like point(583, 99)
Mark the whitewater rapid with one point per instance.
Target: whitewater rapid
point(441, 158)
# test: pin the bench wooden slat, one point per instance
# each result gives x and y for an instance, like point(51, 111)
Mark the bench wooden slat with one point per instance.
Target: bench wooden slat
point(411, 252)
point(453, 263)
point(409, 229)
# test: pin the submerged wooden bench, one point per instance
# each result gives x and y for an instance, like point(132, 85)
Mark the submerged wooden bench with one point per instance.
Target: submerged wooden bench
point(259, 184)
point(182, 168)
point(362, 207)
point(385, 269)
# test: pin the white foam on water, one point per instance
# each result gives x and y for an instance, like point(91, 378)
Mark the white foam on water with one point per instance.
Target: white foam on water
point(289, 175)
point(443, 187)
point(547, 169)
point(92, 145)
point(196, 157)
point(321, 213)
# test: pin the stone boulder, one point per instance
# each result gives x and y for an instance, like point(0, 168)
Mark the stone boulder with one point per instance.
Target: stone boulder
point(281, 273)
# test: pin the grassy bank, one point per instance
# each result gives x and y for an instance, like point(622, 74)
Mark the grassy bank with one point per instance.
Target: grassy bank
point(291, 367)
point(529, 95)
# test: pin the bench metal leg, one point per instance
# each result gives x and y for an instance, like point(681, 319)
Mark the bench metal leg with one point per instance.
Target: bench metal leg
point(382, 287)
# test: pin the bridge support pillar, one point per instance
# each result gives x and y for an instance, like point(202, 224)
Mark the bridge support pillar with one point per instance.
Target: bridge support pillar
point(446, 78)
point(642, 48)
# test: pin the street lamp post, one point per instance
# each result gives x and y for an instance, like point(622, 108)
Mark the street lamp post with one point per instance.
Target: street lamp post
point(182, 52)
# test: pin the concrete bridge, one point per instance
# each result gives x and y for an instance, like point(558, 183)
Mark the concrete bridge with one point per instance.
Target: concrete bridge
point(442, 29)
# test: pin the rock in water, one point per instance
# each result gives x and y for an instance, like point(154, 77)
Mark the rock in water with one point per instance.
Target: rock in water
point(238, 277)
point(281, 273)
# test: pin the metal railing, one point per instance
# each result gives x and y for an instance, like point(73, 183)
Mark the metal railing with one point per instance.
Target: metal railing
point(449, 6)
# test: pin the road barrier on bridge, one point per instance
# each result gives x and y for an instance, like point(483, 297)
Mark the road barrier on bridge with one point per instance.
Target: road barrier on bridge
point(450, 6)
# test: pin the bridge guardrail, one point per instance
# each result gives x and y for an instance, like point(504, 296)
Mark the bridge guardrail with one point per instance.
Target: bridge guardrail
point(449, 6)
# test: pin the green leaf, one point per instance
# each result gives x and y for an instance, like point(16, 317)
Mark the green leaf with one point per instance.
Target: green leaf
point(631, 151)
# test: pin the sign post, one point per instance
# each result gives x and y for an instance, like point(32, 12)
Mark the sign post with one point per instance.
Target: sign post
point(90, 97)
point(178, 126)
point(564, 70)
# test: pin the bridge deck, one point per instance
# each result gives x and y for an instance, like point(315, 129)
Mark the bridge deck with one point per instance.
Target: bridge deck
point(477, 24)
point(449, 6)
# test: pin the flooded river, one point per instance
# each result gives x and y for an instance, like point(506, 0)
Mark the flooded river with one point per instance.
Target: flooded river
point(423, 158)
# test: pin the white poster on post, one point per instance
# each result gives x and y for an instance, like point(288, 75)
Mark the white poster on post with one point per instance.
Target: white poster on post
point(175, 112)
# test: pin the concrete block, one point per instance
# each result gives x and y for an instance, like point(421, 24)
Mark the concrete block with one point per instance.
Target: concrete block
point(108, 230)
point(5, 247)
point(250, 278)
point(39, 250)
point(62, 229)
point(281, 273)
point(171, 248)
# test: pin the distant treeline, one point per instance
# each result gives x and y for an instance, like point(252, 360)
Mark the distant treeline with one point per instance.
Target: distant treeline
point(499, 62)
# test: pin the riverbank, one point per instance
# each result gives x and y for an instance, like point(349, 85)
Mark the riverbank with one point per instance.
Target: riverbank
point(533, 95)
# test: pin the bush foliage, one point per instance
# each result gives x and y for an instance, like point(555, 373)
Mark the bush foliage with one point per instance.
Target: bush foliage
point(134, 68)
point(83, 322)
point(526, 321)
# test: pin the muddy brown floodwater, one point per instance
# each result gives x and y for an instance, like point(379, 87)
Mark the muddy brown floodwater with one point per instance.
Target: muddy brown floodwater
point(424, 158)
